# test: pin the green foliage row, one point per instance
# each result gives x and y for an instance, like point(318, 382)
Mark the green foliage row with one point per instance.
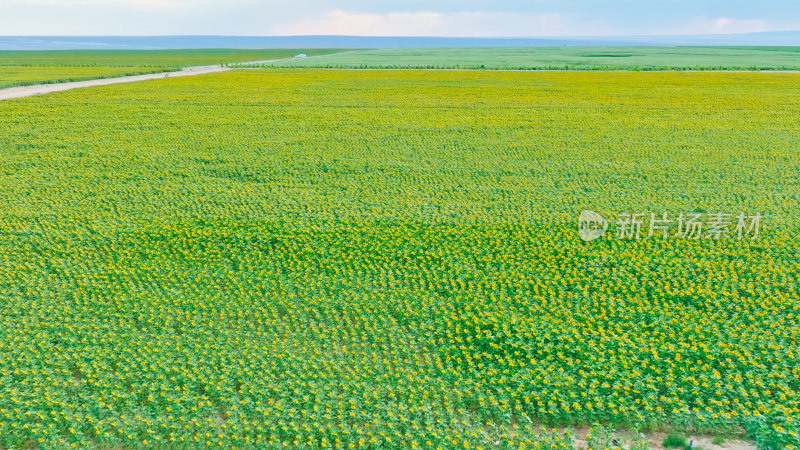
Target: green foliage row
point(561, 58)
point(26, 76)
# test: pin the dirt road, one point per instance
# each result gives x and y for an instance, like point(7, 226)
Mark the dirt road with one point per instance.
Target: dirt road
point(27, 91)
point(37, 89)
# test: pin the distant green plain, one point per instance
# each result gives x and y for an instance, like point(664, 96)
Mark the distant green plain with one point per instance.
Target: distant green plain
point(146, 58)
point(561, 58)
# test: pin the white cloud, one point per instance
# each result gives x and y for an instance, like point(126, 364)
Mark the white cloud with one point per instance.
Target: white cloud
point(430, 18)
point(725, 25)
point(428, 23)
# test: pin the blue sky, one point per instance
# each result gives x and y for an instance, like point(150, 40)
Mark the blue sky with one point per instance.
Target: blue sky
point(531, 18)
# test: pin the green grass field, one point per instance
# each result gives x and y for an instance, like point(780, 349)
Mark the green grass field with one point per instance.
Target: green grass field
point(31, 67)
point(145, 58)
point(574, 58)
point(23, 76)
point(21, 68)
point(390, 259)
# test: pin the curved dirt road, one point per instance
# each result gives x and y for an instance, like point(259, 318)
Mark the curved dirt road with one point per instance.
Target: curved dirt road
point(27, 91)
point(37, 89)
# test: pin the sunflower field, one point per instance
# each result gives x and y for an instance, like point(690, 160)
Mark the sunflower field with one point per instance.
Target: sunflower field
point(391, 259)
